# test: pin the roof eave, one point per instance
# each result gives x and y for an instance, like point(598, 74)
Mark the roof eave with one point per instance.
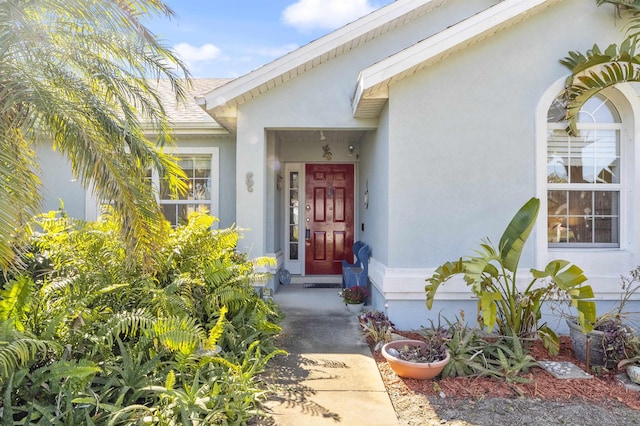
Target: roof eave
point(372, 86)
point(313, 54)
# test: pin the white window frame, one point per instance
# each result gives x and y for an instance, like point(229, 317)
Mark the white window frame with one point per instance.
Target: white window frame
point(596, 187)
point(605, 262)
point(92, 202)
point(214, 152)
point(294, 266)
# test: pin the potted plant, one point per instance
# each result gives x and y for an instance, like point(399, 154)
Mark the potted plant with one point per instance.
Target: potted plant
point(354, 297)
point(418, 359)
point(610, 341)
point(607, 343)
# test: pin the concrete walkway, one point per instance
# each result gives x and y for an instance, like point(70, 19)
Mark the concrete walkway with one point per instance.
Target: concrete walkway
point(329, 376)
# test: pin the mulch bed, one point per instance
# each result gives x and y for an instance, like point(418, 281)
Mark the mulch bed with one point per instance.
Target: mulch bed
point(602, 388)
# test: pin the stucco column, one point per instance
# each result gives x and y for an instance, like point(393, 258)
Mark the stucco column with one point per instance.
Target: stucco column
point(251, 187)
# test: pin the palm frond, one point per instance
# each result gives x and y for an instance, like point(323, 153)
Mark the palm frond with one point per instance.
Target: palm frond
point(124, 324)
point(73, 75)
point(174, 334)
point(597, 70)
point(17, 349)
point(14, 300)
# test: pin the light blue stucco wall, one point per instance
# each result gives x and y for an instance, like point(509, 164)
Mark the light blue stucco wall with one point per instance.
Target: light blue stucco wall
point(59, 184)
point(227, 180)
point(462, 141)
point(374, 178)
point(319, 98)
point(462, 147)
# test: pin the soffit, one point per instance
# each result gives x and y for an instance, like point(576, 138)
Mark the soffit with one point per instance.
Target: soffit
point(372, 89)
point(222, 103)
point(320, 136)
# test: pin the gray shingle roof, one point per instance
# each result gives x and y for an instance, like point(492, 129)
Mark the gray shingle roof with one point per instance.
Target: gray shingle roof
point(189, 112)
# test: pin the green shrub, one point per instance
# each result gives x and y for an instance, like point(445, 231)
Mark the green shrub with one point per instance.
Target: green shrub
point(96, 337)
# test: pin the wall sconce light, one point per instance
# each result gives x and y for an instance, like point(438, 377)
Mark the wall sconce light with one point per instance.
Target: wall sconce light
point(322, 136)
point(350, 150)
point(249, 182)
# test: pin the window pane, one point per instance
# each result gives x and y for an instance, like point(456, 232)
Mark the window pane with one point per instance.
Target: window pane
point(583, 217)
point(606, 217)
point(293, 215)
point(600, 153)
point(557, 111)
point(170, 213)
point(557, 156)
point(579, 218)
point(557, 216)
point(594, 157)
point(178, 214)
point(198, 181)
point(598, 109)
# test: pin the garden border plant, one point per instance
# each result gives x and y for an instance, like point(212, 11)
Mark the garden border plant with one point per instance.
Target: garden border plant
point(515, 309)
point(94, 338)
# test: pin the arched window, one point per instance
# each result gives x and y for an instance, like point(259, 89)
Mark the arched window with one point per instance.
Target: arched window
point(584, 177)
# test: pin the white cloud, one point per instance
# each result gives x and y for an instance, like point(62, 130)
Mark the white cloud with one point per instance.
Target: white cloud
point(193, 55)
point(199, 59)
point(306, 15)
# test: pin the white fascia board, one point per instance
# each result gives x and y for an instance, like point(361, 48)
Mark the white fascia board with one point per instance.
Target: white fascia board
point(204, 128)
point(380, 74)
point(192, 128)
point(245, 84)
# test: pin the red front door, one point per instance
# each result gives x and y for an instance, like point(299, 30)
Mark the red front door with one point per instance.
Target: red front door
point(328, 217)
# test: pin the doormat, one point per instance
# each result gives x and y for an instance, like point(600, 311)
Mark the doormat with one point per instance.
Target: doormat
point(323, 285)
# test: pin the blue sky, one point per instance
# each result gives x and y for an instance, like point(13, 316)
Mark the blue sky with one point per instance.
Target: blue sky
point(228, 38)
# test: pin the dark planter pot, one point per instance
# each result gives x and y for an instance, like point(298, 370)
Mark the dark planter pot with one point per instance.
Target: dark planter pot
point(413, 370)
point(579, 343)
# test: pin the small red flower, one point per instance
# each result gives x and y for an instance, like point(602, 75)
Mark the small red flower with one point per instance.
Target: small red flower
point(354, 295)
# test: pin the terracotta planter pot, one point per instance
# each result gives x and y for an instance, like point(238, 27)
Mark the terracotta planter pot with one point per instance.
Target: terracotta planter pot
point(413, 370)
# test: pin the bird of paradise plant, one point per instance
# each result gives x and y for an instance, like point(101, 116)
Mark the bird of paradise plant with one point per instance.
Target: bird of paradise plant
point(492, 275)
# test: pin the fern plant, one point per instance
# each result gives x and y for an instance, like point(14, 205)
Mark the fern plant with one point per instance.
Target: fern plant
point(126, 324)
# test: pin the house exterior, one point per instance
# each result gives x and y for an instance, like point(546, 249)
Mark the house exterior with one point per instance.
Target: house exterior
point(419, 129)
